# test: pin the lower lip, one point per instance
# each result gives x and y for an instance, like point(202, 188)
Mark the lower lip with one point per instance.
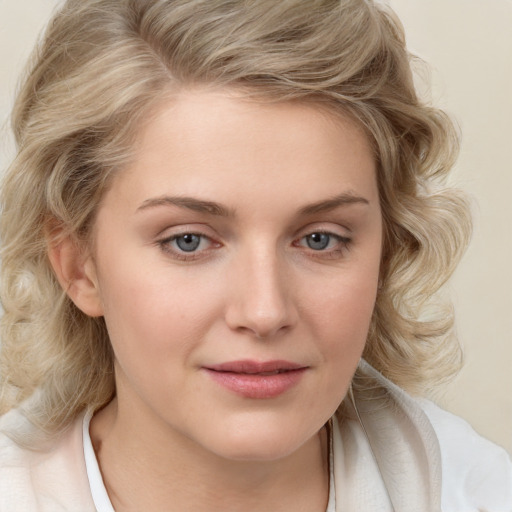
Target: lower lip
point(258, 386)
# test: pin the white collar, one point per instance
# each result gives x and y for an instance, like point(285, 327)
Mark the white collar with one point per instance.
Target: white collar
point(98, 491)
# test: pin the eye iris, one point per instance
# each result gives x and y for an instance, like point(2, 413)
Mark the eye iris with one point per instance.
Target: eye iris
point(318, 241)
point(188, 243)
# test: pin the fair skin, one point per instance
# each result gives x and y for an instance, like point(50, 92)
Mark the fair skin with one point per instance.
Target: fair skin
point(242, 231)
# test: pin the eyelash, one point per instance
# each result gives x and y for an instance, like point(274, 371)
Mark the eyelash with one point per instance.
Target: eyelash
point(165, 245)
point(342, 245)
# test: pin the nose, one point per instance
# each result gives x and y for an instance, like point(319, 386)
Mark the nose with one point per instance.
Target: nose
point(261, 299)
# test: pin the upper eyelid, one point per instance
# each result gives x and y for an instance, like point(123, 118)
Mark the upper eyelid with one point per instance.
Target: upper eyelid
point(173, 236)
point(187, 229)
point(203, 229)
point(319, 228)
point(325, 232)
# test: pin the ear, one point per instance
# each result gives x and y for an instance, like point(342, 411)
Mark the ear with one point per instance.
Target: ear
point(75, 270)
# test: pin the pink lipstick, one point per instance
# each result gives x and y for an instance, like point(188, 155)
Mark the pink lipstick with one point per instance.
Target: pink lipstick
point(253, 379)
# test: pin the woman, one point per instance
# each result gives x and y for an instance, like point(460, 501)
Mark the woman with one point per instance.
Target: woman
point(222, 234)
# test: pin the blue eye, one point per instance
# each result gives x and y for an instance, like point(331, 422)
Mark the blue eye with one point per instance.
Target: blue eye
point(318, 241)
point(185, 245)
point(326, 244)
point(188, 242)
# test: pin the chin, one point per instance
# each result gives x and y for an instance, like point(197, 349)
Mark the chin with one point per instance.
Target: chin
point(259, 443)
point(261, 452)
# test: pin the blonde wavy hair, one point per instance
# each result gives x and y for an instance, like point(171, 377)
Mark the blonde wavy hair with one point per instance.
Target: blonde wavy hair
point(100, 69)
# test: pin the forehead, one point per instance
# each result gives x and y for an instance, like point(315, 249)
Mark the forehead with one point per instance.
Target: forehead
point(223, 140)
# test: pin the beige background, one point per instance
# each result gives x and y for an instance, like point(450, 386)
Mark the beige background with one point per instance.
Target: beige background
point(469, 46)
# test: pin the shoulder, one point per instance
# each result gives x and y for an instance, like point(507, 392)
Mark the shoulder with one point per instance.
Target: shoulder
point(15, 477)
point(470, 473)
point(49, 478)
point(476, 474)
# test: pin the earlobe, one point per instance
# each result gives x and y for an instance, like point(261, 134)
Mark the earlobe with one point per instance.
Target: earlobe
point(76, 272)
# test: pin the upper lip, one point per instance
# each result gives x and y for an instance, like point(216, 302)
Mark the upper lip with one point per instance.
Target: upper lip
point(248, 366)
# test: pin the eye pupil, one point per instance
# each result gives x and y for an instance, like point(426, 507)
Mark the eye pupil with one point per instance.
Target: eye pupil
point(317, 241)
point(188, 242)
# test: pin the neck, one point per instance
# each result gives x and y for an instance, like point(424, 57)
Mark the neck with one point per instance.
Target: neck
point(164, 470)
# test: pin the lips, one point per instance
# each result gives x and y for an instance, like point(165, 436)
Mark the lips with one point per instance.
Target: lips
point(252, 367)
point(257, 380)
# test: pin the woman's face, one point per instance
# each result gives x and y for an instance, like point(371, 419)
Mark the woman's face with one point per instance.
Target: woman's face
point(236, 264)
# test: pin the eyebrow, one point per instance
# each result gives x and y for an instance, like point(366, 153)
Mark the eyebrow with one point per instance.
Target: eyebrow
point(213, 208)
point(190, 203)
point(344, 199)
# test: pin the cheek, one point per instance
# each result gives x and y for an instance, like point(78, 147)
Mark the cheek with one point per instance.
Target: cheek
point(338, 319)
point(157, 309)
point(341, 315)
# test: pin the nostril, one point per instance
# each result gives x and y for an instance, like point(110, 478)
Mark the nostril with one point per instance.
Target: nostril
point(260, 325)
